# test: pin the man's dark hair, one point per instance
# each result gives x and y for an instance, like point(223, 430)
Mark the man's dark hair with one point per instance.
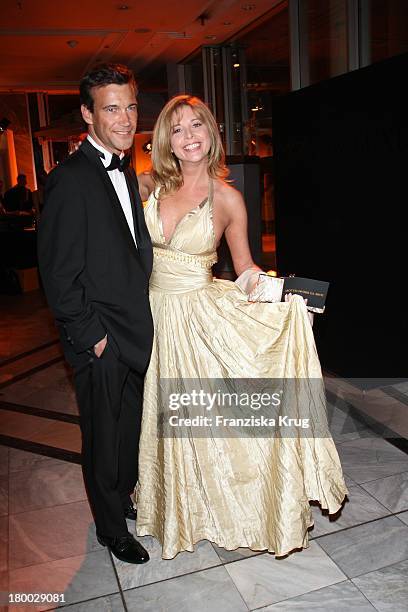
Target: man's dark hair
point(101, 75)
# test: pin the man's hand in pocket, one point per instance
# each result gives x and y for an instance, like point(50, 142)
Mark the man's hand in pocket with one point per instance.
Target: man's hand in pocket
point(100, 346)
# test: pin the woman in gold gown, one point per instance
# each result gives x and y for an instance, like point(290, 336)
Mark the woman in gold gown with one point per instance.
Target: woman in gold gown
point(247, 491)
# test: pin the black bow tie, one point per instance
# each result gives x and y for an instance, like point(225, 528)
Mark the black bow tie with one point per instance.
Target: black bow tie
point(116, 162)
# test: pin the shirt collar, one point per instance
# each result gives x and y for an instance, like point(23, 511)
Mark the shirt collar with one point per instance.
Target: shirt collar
point(106, 160)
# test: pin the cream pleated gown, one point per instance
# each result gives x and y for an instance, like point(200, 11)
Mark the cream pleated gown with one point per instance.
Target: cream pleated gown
point(236, 492)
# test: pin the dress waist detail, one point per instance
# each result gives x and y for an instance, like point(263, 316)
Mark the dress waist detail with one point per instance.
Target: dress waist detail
point(175, 271)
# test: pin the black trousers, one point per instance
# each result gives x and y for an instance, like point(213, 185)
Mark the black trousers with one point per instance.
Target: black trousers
point(109, 396)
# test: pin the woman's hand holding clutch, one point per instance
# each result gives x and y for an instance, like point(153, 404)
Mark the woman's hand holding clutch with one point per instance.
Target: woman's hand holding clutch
point(248, 280)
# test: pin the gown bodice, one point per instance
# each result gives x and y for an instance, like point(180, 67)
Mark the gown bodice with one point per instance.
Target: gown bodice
point(184, 262)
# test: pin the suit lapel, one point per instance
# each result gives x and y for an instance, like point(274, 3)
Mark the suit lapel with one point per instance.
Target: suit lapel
point(94, 158)
point(144, 243)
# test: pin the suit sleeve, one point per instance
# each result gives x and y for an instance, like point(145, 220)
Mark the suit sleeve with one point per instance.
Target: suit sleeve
point(62, 244)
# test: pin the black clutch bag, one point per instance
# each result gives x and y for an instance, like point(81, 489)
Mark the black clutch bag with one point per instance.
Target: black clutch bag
point(274, 289)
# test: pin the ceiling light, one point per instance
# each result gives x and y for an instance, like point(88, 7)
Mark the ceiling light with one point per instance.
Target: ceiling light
point(72, 43)
point(123, 7)
point(248, 7)
point(236, 65)
point(227, 23)
point(147, 147)
point(210, 37)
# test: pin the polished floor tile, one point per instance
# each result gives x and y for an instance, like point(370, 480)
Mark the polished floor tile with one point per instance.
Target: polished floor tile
point(360, 508)
point(29, 318)
point(158, 569)
point(386, 588)
point(403, 516)
point(226, 556)
point(52, 399)
point(264, 580)
point(373, 402)
point(392, 491)
point(369, 459)
point(386, 410)
point(101, 604)
point(341, 597)
point(402, 386)
point(52, 384)
point(344, 427)
point(49, 389)
point(11, 371)
point(45, 486)
point(349, 481)
point(17, 393)
point(48, 534)
point(52, 535)
point(23, 460)
point(77, 578)
point(211, 590)
point(366, 548)
point(43, 431)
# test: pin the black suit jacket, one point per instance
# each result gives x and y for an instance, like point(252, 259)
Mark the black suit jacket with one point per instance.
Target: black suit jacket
point(95, 279)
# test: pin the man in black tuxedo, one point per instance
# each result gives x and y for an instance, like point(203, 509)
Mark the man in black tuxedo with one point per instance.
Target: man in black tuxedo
point(95, 259)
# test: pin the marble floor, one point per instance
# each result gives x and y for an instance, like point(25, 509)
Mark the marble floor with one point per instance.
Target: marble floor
point(356, 561)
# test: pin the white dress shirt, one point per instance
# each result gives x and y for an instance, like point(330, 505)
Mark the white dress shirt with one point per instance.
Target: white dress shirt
point(119, 182)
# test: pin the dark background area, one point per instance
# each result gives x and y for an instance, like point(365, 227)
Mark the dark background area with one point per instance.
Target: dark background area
point(340, 151)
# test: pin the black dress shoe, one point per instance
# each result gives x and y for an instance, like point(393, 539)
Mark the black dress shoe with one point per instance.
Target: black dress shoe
point(130, 513)
point(125, 548)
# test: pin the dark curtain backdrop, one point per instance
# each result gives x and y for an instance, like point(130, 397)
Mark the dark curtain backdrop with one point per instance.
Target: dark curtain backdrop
point(340, 152)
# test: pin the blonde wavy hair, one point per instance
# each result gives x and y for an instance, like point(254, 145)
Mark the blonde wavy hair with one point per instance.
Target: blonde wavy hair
point(166, 171)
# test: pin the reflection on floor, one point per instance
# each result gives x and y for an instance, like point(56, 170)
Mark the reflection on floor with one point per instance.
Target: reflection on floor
point(357, 562)
point(25, 323)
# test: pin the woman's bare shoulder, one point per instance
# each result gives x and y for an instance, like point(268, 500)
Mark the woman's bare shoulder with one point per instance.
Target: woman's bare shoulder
point(146, 184)
point(146, 179)
point(227, 196)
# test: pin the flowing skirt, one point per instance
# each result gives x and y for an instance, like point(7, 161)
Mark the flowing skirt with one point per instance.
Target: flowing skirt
point(247, 491)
